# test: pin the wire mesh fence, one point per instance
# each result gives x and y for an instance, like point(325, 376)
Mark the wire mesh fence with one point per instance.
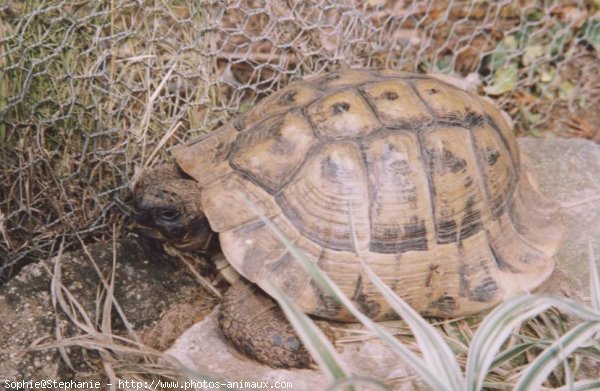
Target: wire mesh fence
point(91, 92)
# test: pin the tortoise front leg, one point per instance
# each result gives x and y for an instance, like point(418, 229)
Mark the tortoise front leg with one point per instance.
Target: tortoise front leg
point(257, 327)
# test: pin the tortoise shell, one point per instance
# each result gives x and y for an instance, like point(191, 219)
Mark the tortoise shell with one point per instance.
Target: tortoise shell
point(444, 207)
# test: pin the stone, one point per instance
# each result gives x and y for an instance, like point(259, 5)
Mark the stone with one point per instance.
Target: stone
point(147, 286)
point(568, 171)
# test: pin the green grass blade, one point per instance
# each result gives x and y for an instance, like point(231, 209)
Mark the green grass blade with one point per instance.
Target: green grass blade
point(536, 372)
point(583, 385)
point(511, 354)
point(498, 325)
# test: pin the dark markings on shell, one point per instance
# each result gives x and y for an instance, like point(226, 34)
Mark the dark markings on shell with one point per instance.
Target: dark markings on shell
point(514, 165)
point(394, 240)
point(331, 77)
point(444, 161)
point(467, 182)
point(252, 265)
point(464, 282)
point(432, 91)
point(333, 171)
point(468, 119)
point(326, 305)
point(491, 156)
point(497, 204)
point(479, 171)
point(485, 292)
point(471, 220)
point(323, 83)
point(446, 231)
point(473, 119)
point(369, 104)
point(514, 219)
point(433, 270)
point(294, 278)
point(428, 173)
point(453, 163)
point(389, 95)
point(280, 145)
point(370, 308)
point(446, 305)
point(340, 108)
point(289, 97)
point(313, 125)
point(528, 258)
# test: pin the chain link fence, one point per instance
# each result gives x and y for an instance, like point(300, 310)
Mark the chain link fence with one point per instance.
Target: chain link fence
point(91, 92)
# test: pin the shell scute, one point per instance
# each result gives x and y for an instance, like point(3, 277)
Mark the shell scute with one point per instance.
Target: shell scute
point(397, 105)
point(342, 115)
point(495, 166)
point(233, 201)
point(448, 103)
point(400, 211)
point(272, 151)
point(458, 201)
point(205, 158)
point(318, 200)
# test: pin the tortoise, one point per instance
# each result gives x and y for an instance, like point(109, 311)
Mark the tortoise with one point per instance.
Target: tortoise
point(445, 208)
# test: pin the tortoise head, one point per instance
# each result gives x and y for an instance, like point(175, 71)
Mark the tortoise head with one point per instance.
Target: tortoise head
point(167, 207)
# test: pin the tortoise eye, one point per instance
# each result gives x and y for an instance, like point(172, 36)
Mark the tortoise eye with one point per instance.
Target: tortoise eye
point(168, 215)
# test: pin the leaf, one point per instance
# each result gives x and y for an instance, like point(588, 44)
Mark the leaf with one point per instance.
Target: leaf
point(500, 56)
point(505, 79)
point(565, 90)
point(532, 53)
point(498, 325)
point(547, 76)
point(536, 372)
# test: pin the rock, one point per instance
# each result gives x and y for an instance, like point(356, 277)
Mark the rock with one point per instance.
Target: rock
point(147, 285)
point(569, 172)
